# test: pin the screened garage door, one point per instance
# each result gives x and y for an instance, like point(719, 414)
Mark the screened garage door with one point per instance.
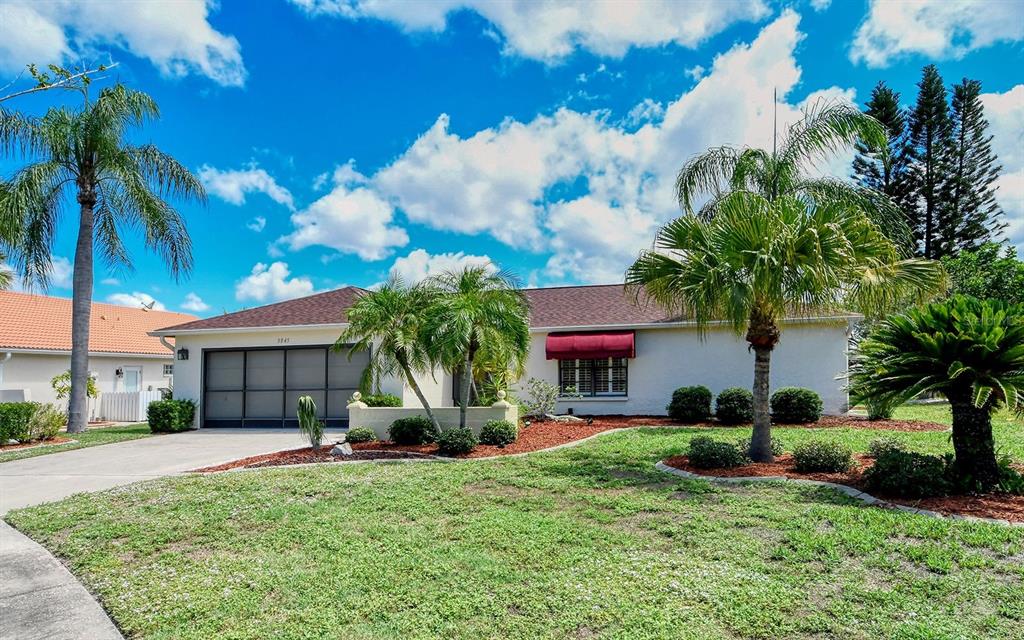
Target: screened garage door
point(261, 387)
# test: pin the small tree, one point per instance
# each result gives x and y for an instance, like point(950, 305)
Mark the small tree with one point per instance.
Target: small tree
point(62, 386)
point(309, 424)
point(970, 351)
point(990, 271)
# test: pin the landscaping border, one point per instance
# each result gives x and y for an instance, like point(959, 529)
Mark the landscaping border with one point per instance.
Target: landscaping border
point(852, 492)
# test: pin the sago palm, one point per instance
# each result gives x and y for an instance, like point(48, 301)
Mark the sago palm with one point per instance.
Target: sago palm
point(116, 185)
point(477, 311)
point(970, 351)
point(789, 169)
point(757, 261)
point(389, 323)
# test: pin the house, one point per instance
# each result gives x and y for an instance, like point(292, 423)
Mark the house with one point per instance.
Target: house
point(35, 346)
point(249, 368)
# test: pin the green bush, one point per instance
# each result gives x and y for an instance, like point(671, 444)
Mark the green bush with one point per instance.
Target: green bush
point(309, 424)
point(14, 420)
point(499, 433)
point(743, 444)
point(879, 409)
point(690, 404)
point(822, 455)
point(412, 430)
point(706, 453)
point(885, 444)
point(735, 405)
point(455, 441)
point(382, 400)
point(170, 416)
point(1010, 480)
point(360, 434)
point(910, 475)
point(45, 422)
point(795, 405)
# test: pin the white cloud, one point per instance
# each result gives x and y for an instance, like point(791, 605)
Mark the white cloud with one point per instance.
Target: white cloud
point(695, 73)
point(175, 36)
point(110, 282)
point(352, 218)
point(257, 224)
point(820, 5)
point(61, 272)
point(420, 264)
point(193, 302)
point(550, 31)
point(136, 299)
point(271, 283)
point(938, 29)
point(1005, 113)
point(646, 111)
point(232, 185)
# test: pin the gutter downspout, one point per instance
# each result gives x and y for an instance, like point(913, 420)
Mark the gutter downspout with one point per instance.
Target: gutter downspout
point(163, 341)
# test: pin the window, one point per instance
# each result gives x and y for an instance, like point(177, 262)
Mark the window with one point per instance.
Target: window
point(168, 369)
point(590, 378)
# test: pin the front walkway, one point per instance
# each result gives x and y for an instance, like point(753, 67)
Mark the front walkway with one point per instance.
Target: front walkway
point(39, 598)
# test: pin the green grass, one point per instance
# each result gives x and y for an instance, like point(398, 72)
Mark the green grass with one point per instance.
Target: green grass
point(90, 438)
point(589, 541)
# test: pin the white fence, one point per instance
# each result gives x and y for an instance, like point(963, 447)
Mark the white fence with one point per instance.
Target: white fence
point(126, 406)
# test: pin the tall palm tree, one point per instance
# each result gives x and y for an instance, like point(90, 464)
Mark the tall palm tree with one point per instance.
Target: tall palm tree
point(477, 312)
point(116, 185)
point(826, 129)
point(389, 323)
point(969, 350)
point(757, 261)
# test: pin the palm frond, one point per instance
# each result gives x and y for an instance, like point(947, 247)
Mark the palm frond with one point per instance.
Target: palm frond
point(826, 129)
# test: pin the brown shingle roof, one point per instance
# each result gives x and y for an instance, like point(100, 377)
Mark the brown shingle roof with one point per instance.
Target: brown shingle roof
point(29, 321)
point(319, 308)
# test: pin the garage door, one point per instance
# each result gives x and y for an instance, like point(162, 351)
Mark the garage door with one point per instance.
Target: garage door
point(261, 387)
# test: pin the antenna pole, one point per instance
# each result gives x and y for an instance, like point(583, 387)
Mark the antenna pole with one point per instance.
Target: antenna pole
point(775, 118)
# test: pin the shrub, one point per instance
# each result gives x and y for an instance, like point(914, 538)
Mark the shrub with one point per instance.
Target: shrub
point(822, 455)
point(412, 430)
point(455, 441)
point(879, 409)
point(45, 422)
point(544, 397)
point(743, 444)
point(382, 400)
point(170, 416)
point(309, 424)
point(14, 420)
point(795, 405)
point(360, 434)
point(909, 475)
point(1010, 480)
point(690, 404)
point(499, 433)
point(735, 405)
point(886, 444)
point(706, 453)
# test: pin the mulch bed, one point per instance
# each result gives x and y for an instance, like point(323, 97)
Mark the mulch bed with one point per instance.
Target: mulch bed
point(1002, 506)
point(28, 445)
point(305, 455)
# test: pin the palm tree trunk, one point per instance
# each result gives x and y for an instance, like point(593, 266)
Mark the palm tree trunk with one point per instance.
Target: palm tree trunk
point(81, 309)
point(761, 441)
point(973, 443)
point(467, 375)
point(419, 393)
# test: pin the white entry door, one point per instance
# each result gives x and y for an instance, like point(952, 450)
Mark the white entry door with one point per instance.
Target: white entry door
point(133, 379)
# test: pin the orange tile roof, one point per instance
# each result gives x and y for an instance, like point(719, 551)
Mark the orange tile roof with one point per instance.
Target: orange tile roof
point(29, 321)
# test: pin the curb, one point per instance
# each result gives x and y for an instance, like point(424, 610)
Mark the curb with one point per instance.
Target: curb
point(852, 492)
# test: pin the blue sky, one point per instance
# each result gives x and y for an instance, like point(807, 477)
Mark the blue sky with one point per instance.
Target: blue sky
point(342, 139)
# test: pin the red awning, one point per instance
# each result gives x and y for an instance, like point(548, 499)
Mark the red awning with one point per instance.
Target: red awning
point(590, 345)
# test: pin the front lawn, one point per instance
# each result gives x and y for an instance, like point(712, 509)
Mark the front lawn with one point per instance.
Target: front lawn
point(89, 438)
point(584, 542)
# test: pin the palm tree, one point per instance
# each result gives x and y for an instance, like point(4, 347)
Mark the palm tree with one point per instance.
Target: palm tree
point(477, 313)
point(826, 129)
point(388, 322)
point(971, 351)
point(116, 185)
point(757, 261)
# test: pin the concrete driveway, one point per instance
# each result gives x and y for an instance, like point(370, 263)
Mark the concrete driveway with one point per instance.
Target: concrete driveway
point(39, 598)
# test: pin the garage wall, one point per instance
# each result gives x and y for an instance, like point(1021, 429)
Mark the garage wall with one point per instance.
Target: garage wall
point(808, 355)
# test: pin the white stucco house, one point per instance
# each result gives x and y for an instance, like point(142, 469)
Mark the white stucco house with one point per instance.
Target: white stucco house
point(35, 346)
point(249, 368)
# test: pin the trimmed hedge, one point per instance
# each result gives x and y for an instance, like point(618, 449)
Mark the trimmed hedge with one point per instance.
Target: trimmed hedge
point(413, 430)
point(690, 404)
point(14, 420)
point(499, 433)
point(170, 416)
point(910, 475)
point(886, 444)
point(707, 453)
point(822, 455)
point(455, 441)
point(735, 405)
point(795, 405)
point(360, 434)
point(382, 400)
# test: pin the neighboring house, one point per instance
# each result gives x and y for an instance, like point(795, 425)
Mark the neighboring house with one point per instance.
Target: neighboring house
point(35, 346)
point(249, 368)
